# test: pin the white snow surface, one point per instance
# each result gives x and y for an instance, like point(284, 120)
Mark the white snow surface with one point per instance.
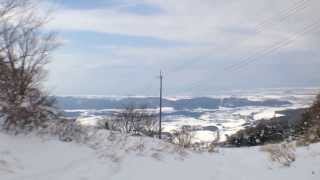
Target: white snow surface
point(34, 158)
point(89, 121)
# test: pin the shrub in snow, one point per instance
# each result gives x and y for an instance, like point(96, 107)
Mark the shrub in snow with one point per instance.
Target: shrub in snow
point(66, 130)
point(264, 131)
point(112, 145)
point(283, 153)
point(308, 128)
point(205, 147)
point(305, 129)
point(183, 137)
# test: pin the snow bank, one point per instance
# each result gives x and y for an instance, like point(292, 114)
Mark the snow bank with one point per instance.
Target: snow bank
point(32, 158)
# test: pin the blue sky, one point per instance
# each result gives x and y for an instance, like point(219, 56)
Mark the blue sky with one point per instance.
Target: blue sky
point(117, 47)
point(136, 7)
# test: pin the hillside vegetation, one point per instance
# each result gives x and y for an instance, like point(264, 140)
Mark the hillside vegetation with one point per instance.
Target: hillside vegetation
point(302, 125)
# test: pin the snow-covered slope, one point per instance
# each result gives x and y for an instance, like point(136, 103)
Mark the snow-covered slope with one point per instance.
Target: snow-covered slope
point(34, 158)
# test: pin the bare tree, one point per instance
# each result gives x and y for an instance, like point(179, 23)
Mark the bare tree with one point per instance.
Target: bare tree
point(24, 51)
point(135, 120)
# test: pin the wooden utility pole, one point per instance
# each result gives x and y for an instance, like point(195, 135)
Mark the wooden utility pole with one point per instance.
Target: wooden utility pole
point(160, 114)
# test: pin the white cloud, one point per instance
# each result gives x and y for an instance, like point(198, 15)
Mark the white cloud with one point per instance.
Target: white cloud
point(213, 29)
point(223, 23)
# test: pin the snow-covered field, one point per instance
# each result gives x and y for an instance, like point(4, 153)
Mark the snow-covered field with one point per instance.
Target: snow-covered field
point(34, 158)
point(229, 120)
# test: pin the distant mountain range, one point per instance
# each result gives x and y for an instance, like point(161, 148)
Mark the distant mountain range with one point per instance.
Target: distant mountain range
point(71, 103)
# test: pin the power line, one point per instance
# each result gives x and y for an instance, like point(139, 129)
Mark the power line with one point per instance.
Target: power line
point(261, 27)
point(274, 48)
point(277, 46)
point(296, 7)
point(285, 14)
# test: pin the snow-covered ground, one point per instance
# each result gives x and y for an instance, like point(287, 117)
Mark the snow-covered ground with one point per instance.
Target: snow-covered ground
point(34, 158)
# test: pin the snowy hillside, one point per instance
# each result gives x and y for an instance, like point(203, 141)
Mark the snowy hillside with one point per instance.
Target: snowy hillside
point(34, 158)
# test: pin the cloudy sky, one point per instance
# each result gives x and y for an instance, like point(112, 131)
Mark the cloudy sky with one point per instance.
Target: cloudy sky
point(117, 47)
